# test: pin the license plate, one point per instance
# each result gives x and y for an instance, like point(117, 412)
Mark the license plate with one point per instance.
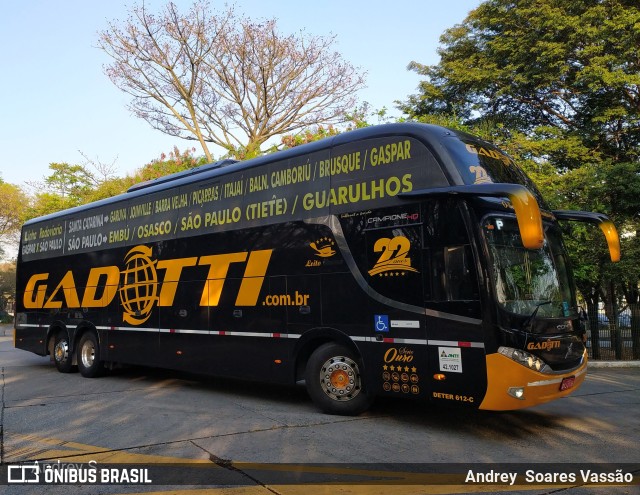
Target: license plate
point(567, 383)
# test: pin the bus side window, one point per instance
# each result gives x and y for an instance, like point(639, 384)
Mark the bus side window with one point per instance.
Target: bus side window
point(460, 280)
point(449, 254)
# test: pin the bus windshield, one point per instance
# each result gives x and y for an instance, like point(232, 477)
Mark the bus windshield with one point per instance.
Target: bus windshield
point(525, 279)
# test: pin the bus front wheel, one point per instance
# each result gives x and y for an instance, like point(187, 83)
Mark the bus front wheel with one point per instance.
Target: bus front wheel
point(61, 355)
point(334, 381)
point(89, 362)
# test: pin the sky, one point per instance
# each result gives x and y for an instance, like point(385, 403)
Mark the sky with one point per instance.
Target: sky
point(58, 106)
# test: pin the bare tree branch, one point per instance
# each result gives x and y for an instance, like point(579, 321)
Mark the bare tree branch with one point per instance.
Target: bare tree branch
point(105, 171)
point(221, 78)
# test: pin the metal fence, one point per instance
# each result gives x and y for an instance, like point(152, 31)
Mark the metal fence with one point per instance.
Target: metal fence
point(613, 340)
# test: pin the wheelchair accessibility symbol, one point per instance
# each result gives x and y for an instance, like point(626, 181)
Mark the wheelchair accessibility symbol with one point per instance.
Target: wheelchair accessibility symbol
point(381, 323)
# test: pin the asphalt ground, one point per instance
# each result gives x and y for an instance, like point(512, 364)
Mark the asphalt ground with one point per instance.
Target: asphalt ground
point(267, 440)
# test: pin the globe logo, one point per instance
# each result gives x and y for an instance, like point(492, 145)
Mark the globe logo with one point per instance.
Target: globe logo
point(139, 287)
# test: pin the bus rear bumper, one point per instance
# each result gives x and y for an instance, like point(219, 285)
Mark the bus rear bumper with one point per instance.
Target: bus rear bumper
point(507, 379)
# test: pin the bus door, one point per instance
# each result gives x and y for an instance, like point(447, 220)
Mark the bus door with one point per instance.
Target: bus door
point(455, 334)
point(397, 321)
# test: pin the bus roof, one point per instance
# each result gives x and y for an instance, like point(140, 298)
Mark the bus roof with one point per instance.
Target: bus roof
point(354, 171)
point(430, 135)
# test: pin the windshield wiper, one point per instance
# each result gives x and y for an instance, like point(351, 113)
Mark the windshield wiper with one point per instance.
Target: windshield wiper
point(528, 323)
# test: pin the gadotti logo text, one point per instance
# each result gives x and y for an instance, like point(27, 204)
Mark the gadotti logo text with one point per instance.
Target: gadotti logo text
point(139, 286)
point(543, 346)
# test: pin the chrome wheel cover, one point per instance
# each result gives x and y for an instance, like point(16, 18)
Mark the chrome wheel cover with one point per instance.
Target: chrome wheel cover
point(340, 378)
point(88, 354)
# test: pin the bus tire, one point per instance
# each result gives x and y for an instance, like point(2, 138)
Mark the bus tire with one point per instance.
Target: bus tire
point(62, 357)
point(89, 363)
point(334, 381)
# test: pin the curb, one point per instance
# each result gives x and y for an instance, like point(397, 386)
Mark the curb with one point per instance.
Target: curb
point(613, 364)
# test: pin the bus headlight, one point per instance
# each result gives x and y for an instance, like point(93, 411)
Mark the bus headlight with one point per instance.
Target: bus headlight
point(516, 392)
point(525, 359)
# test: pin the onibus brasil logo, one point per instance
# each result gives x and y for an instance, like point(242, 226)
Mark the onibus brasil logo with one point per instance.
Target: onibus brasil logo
point(145, 282)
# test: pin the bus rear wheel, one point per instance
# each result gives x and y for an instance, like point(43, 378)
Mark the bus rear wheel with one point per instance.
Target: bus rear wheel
point(334, 381)
point(61, 355)
point(89, 362)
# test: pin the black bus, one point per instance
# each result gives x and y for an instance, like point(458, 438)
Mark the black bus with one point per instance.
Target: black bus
point(403, 260)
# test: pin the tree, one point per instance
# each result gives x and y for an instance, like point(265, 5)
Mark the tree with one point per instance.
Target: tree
point(67, 186)
point(171, 163)
point(12, 207)
point(7, 289)
point(103, 171)
point(221, 78)
point(356, 119)
point(175, 161)
point(69, 181)
point(558, 85)
point(557, 69)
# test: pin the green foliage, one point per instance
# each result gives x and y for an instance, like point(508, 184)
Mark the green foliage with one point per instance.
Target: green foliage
point(176, 161)
point(555, 84)
point(110, 187)
point(7, 290)
point(308, 136)
point(11, 207)
point(538, 65)
point(69, 181)
point(358, 119)
point(45, 203)
point(73, 185)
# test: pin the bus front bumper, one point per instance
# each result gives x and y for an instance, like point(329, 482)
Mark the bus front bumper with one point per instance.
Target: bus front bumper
point(511, 385)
